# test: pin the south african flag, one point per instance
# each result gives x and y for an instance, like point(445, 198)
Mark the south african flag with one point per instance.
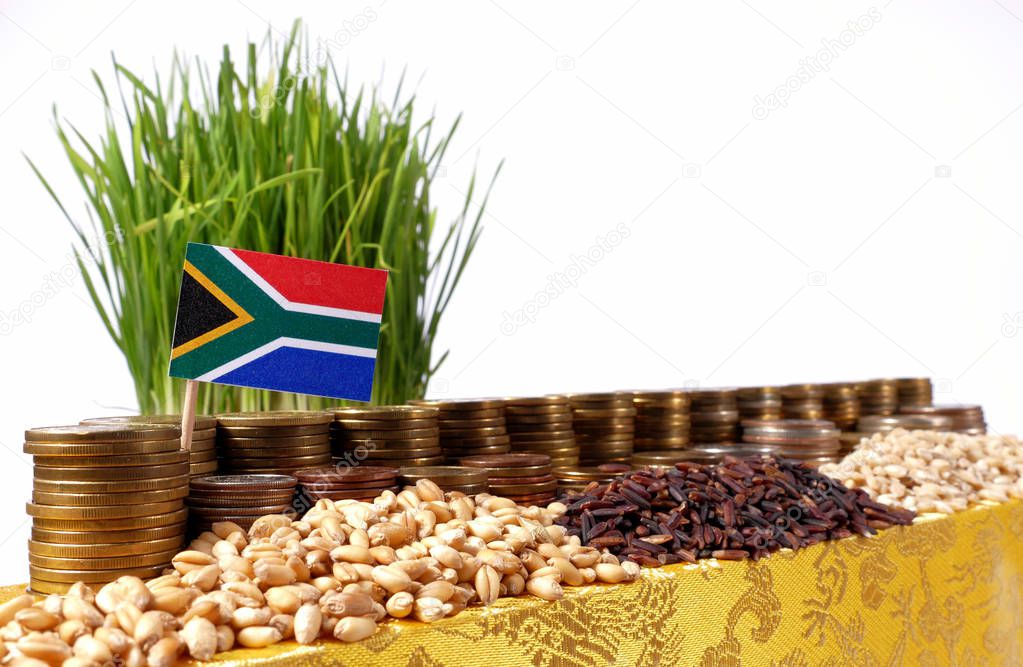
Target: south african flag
point(259, 320)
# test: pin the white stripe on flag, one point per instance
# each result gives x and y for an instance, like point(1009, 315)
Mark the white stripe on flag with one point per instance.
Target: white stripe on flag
point(272, 292)
point(277, 344)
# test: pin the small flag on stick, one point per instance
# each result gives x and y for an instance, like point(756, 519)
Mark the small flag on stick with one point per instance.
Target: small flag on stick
point(254, 319)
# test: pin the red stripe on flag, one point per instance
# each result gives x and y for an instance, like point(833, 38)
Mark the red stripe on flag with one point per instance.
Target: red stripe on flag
point(316, 283)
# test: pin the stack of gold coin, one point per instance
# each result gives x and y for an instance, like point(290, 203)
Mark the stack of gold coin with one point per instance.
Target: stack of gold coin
point(470, 426)
point(202, 457)
point(968, 419)
point(279, 442)
point(238, 498)
point(915, 391)
point(579, 478)
point(460, 479)
point(543, 425)
point(388, 435)
point(343, 482)
point(812, 441)
point(841, 404)
point(107, 501)
point(715, 416)
point(662, 420)
point(524, 478)
point(759, 402)
point(604, 425)
point(802, 401)
point(878, 397)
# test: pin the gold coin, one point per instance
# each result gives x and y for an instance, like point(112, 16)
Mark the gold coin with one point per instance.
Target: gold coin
point(266, 443)
point(102, 512)
point(535, 401)
point(121, 461)
point(425, 461)
point(382, 424)
point(385, 412)
point(89, 576)
point(414, 443)
point(309, 460)
point(103, 563)
point(480, 432)
point(109, 486)
point(101, 433)
point(384, 455)
point(447, 474)
point(275, 418)
point(202, 457)
point(201, 423)
point(271, 431)
point(94, 537)
point(110, 474)
point(69, 551)
point(461, 404)
point(274, 452)
point(204, 468)
point(102, 448)
point(98, 499)
point(397, 434)
point(101, 525)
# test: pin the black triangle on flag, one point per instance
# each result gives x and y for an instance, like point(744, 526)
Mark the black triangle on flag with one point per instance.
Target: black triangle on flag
point(199, 311)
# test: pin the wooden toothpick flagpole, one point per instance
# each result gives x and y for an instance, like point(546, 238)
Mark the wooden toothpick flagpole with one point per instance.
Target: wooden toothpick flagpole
point(188, 414)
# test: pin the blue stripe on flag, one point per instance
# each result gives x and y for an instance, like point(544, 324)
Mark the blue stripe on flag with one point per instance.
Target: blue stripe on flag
point(307, 372)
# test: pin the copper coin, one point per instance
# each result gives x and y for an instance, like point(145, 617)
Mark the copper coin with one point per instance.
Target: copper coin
point(346, 473)
point(511, 474)
point(538, 429)
point(512, 482)
point(256, 510)
point(539, 499)
point(551, 418)
point(247, 482)
point(547, 485)
point(506, 461)
point(366, 495)
point(561, 434)
point(337, 486)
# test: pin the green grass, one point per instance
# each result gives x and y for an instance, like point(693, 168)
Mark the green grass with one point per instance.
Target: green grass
point(290, 162)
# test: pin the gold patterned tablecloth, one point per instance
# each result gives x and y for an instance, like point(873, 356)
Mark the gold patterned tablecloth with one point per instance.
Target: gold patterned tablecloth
point(947, 591)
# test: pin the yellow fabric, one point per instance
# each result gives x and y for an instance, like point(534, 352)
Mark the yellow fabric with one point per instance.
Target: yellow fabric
point(944, 591)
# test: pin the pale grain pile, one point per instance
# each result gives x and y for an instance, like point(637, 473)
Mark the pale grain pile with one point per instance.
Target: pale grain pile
point(339, 571)
point(930, 471)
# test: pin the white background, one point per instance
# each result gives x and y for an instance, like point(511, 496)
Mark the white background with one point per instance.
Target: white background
point(871, 226)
